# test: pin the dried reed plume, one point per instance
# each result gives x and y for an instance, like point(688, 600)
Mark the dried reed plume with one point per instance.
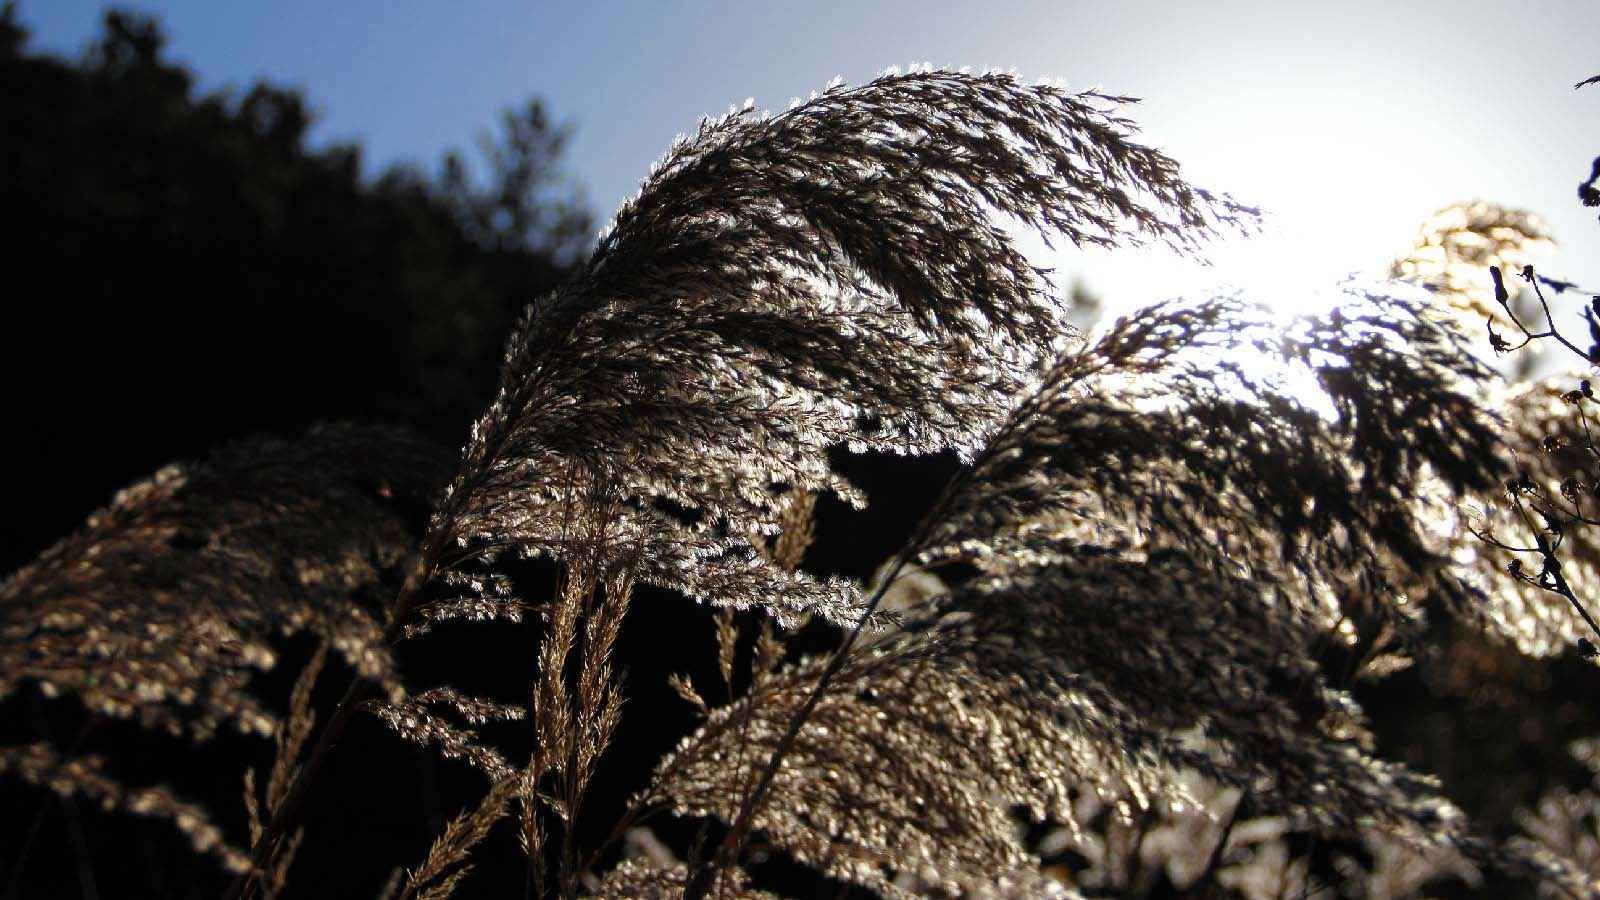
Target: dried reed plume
point(165, 606)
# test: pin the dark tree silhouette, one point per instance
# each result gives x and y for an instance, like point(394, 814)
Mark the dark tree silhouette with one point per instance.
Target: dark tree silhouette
point(183, 268)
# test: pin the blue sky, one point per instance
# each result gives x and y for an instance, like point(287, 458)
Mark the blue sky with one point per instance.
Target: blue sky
point(1351, 120)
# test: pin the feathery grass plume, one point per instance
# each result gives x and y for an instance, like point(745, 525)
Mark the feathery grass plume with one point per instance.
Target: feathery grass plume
point(1557, 876)
point(1099, 679)
point(166, 604)
point(476, 595)
point(829, 275)
point(1395, 870)
point(1166, 649)
point(1549, 439)
point(1456, 246)
point(1106, 850)
point(1558, 844)
point(1159, 442)
point(1216, 839)
point(286, 764)
point(796, 530)
point(1142, 517)
point(574, 718)
point(446, 864)
point(414, 719)
point(745, 313)
point(1031, 690)
point(39, 764)
point(904, 777)
point(1182, 428)
point(1167, 448)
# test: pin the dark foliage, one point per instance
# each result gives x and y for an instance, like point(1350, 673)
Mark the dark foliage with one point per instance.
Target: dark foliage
point(182, 268)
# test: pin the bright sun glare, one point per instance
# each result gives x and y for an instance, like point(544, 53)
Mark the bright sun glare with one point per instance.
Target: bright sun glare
point(1289, 266)
point(1300, 262)
point(1332, 207)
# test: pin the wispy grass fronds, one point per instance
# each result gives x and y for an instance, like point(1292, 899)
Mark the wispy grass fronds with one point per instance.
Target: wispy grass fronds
point(167, 603)
point(1164, 649)
point(830, 275)
point(664, 411)
point(477, 596)
point(1028, 689)
point(1456, 246)
point(905, 775)
point(83, 776)
point(1292, 453)
point(1218, 840)
point(414, 720)
point(286, 762)
point(1167, 532)
point(446, 864)
point(1160, 445)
